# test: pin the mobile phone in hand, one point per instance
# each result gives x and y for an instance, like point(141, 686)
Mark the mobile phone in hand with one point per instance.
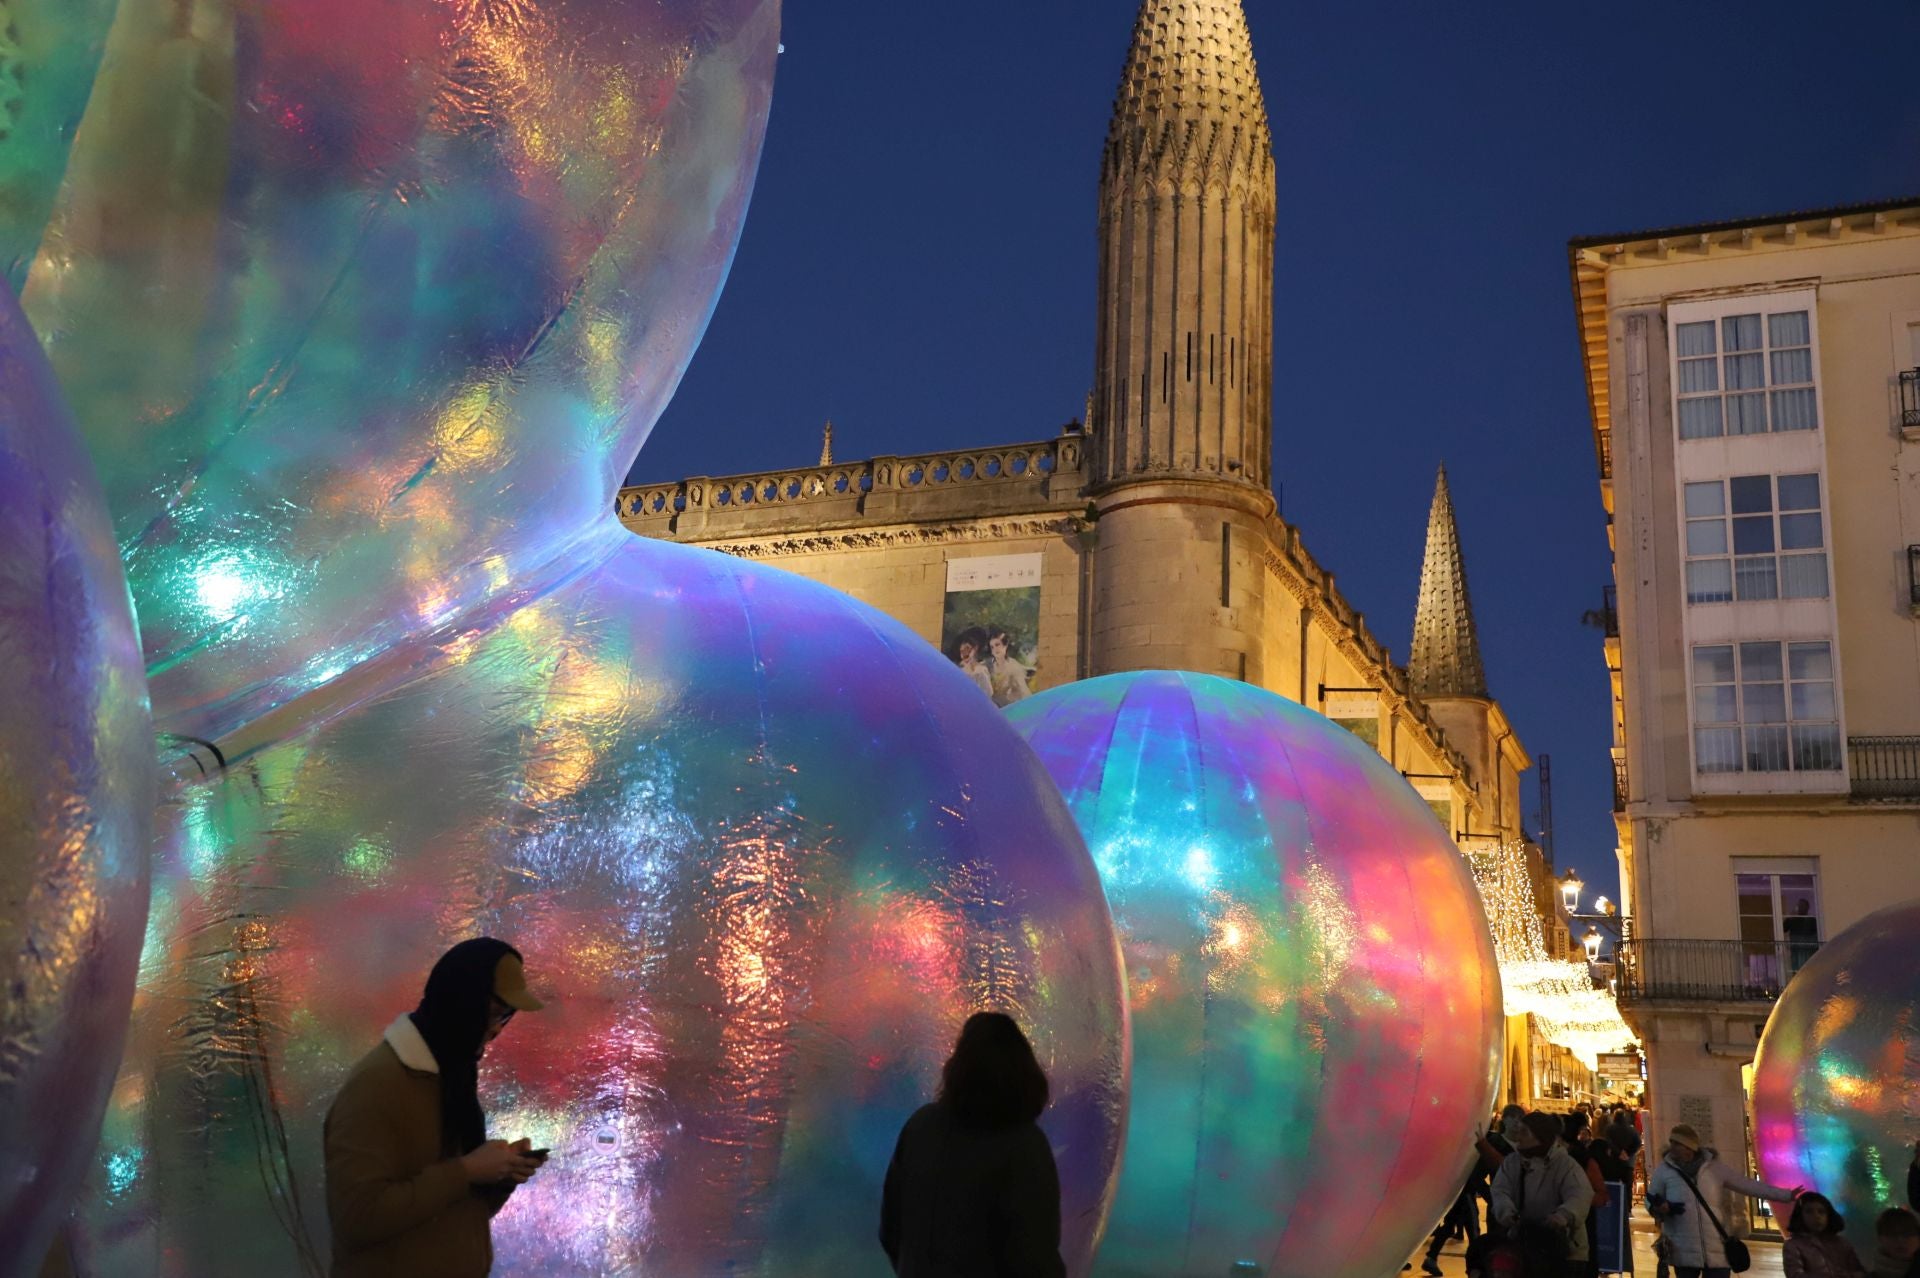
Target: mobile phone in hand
point(539, 1155)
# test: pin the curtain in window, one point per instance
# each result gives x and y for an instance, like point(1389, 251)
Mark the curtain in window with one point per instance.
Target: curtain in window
point(1700, 418)
point(1803, 576)
point(1794, 410)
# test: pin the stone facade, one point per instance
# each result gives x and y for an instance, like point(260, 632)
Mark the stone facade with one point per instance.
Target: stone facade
point(885, 529)
point(1729, 813)
point(1158, 541)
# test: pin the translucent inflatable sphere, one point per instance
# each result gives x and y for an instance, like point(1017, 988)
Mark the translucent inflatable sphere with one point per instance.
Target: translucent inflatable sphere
point(365, 307)
point(1316, 1010)
point(1836, 1090)
point(764, 850)
point(76, 802)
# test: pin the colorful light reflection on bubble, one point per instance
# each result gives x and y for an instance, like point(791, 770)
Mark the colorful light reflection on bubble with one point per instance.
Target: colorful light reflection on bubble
point(76, 801)
point(1315, 1005)
point(764, 848)
point(364, 308)
point(1836, 1082)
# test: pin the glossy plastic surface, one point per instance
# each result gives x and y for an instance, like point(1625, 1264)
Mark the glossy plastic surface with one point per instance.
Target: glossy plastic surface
point(1315, 1004)
point(1836, 1086)
point(764, 849)
point(76, 801)
point(365, 307)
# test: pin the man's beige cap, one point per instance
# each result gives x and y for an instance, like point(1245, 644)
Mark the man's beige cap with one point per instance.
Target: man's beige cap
point(510, 985)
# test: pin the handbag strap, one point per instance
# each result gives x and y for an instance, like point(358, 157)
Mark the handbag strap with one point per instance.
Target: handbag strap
point(1724, 1237)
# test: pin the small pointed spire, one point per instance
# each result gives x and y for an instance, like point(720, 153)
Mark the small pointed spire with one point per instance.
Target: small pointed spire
point(1191, 64)
point(826, 444)
point(1446, 647)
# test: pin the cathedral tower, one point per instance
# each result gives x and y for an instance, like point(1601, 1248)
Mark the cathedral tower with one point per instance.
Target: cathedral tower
point(1183, 371)
point(1183, 399)
point(1446, 647)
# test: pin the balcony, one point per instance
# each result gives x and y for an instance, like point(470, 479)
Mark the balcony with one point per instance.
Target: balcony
point(1910, 401)
point(1884, 767)
point(1707, 971)
point(1619, 785)
point(1605, 618)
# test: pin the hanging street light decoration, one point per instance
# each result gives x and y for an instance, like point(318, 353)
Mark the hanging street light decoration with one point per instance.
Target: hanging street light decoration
point(1559, 995)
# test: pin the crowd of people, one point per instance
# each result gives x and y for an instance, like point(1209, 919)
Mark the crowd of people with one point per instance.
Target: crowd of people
point(1544, 1178)
point(413, 1179)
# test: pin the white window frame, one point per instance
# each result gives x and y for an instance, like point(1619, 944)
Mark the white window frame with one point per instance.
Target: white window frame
point(1723, 457)
point(1727, 520)
point(1778, 966)
point(1717, 366)
point(1740, 725)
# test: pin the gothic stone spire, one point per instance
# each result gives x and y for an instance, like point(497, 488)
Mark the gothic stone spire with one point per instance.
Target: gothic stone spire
point(1190, 86)
point(826, 444)
point(1182, 377)
point(1446, 647)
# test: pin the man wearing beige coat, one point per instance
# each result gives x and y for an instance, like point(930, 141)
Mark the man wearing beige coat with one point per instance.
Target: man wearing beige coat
point(413, 1183)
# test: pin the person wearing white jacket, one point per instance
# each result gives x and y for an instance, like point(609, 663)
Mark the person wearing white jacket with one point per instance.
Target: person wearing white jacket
point(1540, 1184)
point(1693, 1245)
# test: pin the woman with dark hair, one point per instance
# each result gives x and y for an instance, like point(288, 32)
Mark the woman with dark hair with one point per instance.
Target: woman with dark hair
point(1009, 676)
point(1815, 1246)
point(972, 1191)
point(413, 1183)
point(970, 654)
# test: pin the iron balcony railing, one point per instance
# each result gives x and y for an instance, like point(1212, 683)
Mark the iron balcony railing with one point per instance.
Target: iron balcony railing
point(1605, 618)
point(1910, 399)
point(1708, 971)
point(1884, 767)
point(1619, 785)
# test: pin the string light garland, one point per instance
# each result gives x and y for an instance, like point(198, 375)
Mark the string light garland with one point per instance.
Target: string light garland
point(1560, 996)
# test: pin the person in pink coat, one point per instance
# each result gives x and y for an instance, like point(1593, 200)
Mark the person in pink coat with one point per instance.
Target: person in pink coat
point(1815, 1247)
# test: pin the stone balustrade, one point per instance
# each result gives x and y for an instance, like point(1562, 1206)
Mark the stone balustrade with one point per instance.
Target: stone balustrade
point(651, 507)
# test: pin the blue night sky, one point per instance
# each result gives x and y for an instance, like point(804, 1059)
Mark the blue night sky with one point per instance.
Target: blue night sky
point(918, 265)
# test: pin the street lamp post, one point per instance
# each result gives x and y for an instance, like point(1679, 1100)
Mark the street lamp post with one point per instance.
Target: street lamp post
point(1570, 891)
point(1606, 915)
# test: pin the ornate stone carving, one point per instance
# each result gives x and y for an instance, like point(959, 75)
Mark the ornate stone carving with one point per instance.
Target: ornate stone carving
point(779, 547)
point(646, 506)
point(1445, 661)
point(1183, 383)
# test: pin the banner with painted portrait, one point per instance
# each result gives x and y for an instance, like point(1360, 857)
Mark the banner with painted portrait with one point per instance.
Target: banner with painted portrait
point(991, 627)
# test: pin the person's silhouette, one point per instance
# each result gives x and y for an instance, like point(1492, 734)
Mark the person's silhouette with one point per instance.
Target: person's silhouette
point(972, 1187)
point(412, 1181)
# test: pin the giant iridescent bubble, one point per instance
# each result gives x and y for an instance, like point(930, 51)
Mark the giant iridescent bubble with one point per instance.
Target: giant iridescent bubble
point(365, 306)
point(76, 801)
point(1316, 1009)
point(764, 849)
point(1836, 1082)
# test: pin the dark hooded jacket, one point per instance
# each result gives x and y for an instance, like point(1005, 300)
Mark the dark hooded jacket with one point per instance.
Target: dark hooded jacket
point(398, 1201)
point(967, 1201)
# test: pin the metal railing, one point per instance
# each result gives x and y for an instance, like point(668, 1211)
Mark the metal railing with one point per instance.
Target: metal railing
point(1619, 785)
point(1910, 399)
point(1884, 767)
point(1605, 618)
point(1707, 971)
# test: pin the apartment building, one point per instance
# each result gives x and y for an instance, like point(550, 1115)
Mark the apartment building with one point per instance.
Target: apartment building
point(1755, 398)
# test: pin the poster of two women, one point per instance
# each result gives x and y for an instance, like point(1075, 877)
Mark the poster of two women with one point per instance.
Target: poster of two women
point(991, 627)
